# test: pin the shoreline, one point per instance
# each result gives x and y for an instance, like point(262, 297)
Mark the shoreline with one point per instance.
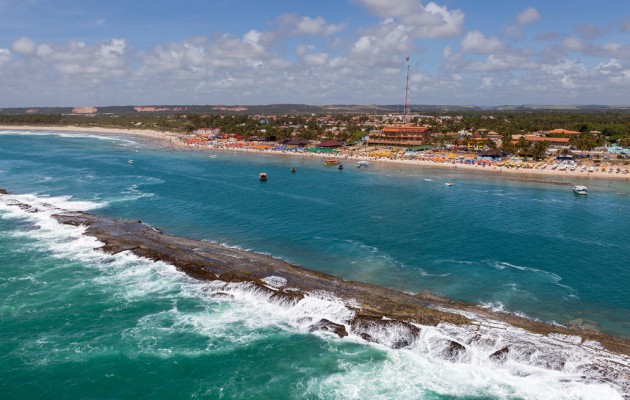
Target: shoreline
point(171, 139)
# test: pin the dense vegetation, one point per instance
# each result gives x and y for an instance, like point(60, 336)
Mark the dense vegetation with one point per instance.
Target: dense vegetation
point(612, 126)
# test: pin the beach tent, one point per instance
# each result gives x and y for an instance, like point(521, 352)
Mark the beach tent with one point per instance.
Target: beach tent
point(330, 143)
point(295, 142)
point(423, 147)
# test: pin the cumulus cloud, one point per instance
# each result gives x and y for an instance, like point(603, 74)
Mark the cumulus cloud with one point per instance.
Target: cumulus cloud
point(590, 31)
point(5, 56)
point(476, 42)
point(612, 66)
point(430, 21)
point(573, 44)
point(319, 59)
point(365, 65)
point(308, 26)
point(528, 16)
point(24, 45)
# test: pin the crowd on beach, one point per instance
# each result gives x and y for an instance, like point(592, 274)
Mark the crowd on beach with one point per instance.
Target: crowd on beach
point(550, 166)
point(608, 168)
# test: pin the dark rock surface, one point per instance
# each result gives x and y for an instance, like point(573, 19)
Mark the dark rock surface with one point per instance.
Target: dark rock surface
point(381, 315)
point(329, 326)
point(211, 261)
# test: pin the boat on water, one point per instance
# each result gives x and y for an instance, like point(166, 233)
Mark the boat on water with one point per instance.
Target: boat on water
point(581, 190)
point(129, 161)
point(363, 164)
point(262, 176)
point(448, 184)
point(293, 170)
point(331, 162)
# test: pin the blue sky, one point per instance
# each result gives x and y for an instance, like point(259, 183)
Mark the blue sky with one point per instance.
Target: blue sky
point(463, 52)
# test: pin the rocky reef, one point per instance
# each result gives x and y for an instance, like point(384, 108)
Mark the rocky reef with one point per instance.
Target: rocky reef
point(448, 329)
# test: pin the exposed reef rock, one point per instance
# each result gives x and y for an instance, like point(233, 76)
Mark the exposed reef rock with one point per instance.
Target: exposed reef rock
point(329, 326)
point(445, 328)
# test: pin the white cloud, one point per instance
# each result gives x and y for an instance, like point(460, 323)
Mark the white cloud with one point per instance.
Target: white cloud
point(430, 21)
point(24, 45)
point(364, 66)
point(528, 16)
point(567, 71)
point(308, 26)
point(312, 26)
point(573, 44)
point(43, 50)
point(5, 56)
point(591, 31)
point(612, 66)
point(115, 48)
point(476, 42)
point(318, 59)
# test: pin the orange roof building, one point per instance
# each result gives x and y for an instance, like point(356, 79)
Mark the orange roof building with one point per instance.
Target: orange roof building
point(404, 136)
point(553, 140)
point(563, 132)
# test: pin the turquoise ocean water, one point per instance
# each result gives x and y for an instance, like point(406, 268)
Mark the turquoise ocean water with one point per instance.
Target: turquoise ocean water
point(80, 324)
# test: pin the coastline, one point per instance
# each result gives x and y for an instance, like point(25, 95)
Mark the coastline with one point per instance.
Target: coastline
point(453, 331)
point(172, 140)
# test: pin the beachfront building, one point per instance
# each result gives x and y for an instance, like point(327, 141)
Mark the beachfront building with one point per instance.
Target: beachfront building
point(555, 143)
point(402, 135)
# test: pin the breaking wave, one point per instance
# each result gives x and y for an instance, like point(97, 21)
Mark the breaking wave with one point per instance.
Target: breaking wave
point(489, 359)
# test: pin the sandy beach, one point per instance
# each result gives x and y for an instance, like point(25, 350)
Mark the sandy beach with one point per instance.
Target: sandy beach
point(174, 140)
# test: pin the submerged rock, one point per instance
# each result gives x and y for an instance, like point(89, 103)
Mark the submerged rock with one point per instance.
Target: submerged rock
point(329, 326)
point(222, 296)
point(395, 334)
point(500, 355)
point(448, 349)
point(381, 315)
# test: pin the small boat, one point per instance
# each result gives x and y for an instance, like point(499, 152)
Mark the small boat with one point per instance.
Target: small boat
point(331, 162)
point(293, 170)
point(582, 190)
point(448, 184)
point(363, 164)
point(262, 176)
point(129, 161)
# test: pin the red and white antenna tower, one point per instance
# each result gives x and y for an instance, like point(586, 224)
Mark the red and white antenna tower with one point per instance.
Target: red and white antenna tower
point(406, 109)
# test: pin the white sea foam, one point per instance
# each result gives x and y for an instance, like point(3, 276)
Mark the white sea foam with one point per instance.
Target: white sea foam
point(84, 135)
point(235, 314)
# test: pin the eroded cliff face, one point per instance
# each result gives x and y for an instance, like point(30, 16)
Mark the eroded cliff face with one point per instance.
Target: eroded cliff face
point(446, 329)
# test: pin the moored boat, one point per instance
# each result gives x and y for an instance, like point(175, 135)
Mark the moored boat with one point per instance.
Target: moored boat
point(331, 162)
point(262, 176)
point(363, 164)
point(581, 190)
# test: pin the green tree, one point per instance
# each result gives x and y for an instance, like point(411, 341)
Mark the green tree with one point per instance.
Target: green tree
point(539, 149)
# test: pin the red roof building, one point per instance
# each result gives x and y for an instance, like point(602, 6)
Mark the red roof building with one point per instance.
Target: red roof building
point(404, 136)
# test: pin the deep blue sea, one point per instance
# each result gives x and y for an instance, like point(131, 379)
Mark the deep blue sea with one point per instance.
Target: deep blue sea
point(76, 323)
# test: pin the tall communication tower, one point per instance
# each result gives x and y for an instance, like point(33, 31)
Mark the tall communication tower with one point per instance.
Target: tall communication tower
point(406, 109)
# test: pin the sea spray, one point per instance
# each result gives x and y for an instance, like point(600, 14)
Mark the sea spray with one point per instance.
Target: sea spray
point(488, 359)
